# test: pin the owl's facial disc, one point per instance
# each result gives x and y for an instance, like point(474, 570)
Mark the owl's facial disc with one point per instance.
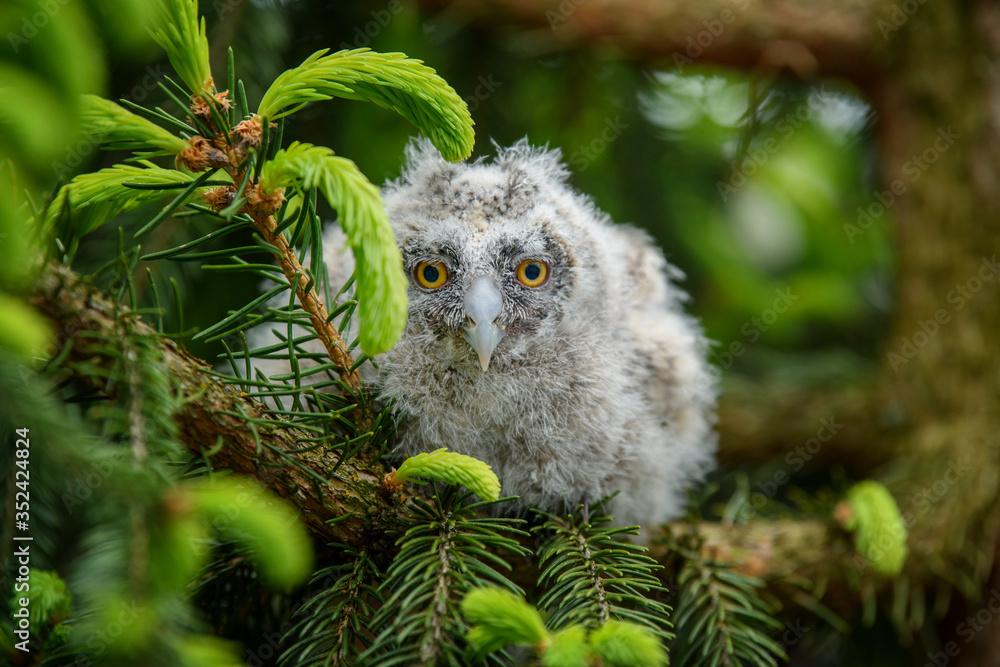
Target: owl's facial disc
point(483, 304)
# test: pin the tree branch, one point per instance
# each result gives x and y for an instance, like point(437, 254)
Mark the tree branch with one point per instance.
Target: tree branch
point(817, 425)
point(810, 38)
point(211, 415)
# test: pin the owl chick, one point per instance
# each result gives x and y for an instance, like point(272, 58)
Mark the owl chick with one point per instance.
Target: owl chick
point(544, 339)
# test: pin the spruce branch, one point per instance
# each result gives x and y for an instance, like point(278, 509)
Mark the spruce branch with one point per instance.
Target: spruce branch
point(592, 577)
point(225, 428)
point(447, 551)
point(178, 31)
point(451, 467)
point(872, 514)
point(113, 124)
point(721, 620)
point(95, 198)
point(379, 264)
point(308, 297)
point(390, 80)
point(333, 629)
point(502, 619)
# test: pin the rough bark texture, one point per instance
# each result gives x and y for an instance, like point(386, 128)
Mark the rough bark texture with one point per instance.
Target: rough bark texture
point(355, 488)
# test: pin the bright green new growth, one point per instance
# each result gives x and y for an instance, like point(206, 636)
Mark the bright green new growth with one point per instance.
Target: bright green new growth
point(880, 532)
point(110, 123)
point(501, 618)
point(178, 31)
point(98, 197)
point(627, 645)
point(247, 514)
point(454, 468)
point(23, 330)
point(390, 80)
point(381, 283)
point(568, 648)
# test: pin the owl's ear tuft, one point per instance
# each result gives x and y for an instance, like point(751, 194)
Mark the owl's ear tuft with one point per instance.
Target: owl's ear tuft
point(538, 162)
point(424, 165)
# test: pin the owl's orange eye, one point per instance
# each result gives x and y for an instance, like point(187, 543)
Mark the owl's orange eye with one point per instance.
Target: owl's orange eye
point(431, 275)
point(533, 272)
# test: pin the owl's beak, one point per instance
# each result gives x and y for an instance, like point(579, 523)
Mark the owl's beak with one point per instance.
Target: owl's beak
point(483, 304)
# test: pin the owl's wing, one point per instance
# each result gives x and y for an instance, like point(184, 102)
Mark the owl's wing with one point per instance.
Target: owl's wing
point(679, 383)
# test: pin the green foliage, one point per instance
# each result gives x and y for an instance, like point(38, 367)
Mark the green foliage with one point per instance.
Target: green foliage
point(178, 31)
point(454, 468)
point(878, 526)
point(106, 488)
point(109, 123)
point(568, 648)
point(249, 156)
point(621, 644)
point(91, 200)
point(446, 551)
point(22, 330)
point(721, 618)
point(390, 80)
point(244, 513)
point(382, 284)
point(501, 619)
point(594, 577)
point(48, 598)
point(332, 629)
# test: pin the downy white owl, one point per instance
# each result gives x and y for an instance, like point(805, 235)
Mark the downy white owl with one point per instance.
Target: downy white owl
point(542, 338)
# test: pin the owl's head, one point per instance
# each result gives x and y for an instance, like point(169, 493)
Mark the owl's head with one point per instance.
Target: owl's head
point(498, 253)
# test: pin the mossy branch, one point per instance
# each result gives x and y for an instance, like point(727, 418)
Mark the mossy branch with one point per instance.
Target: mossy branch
point(231, 431)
